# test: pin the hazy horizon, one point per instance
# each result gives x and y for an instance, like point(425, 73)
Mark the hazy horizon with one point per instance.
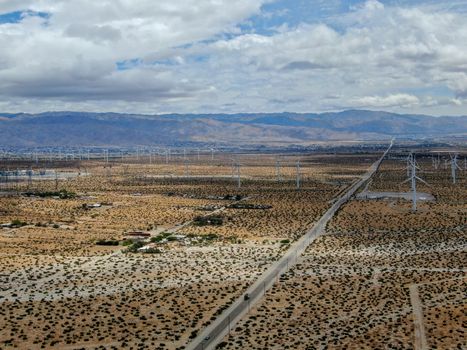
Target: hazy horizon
point(235, 113)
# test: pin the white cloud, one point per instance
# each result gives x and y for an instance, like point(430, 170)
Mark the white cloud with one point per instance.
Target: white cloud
point(396, 100)
point(191, 56)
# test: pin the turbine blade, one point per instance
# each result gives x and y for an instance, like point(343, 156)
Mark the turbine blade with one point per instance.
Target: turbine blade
point(403, 182)
point(422, 180)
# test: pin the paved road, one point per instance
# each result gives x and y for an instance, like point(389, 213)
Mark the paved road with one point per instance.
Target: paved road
point(214, 333)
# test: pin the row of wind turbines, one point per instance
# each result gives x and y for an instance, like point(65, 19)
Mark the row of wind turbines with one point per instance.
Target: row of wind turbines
point(412, 176)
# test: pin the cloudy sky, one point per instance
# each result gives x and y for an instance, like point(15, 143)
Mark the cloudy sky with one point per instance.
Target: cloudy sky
point(191, 56)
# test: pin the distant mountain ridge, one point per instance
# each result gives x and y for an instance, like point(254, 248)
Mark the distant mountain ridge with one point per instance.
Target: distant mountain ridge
point(114, 129)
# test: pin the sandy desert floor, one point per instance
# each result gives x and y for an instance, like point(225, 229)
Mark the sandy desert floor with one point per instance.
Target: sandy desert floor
point(382, 277)
point(59, 289)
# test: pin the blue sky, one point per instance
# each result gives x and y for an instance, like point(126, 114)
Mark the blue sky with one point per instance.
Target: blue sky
point(244, 56)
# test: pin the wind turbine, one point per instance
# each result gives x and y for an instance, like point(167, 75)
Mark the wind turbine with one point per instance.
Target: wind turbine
point(239, 183)
point(186, 167)
point(435, 161)
point(409, 163)
point(56, 180)
point(278, 170)
point(233, 166)
point(413, 180)
point(298, 175)
point(29, 178)
point(454, 167)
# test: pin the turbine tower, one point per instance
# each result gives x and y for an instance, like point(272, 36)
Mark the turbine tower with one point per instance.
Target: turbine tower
point(413, 180)
point(186, 167)
point(435, 161)
point(298, 175)
point(278, 170)
point(409, 164)
point(454, 167)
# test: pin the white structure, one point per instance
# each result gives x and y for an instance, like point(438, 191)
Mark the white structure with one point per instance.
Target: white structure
point(298, 175)
point(278, 170)
point(413, 179)
point(454, 167)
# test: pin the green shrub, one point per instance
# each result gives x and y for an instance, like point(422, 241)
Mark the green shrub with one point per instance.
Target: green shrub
point(111, 242)
point(208, 220)
point(62, 194)
point(152, 251)
point(135, 246)
point(18, 223)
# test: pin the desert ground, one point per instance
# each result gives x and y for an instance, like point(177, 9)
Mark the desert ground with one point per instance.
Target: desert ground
point(72, 277)
point(382, 277)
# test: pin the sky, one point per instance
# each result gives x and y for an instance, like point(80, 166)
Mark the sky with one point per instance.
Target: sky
point(224, 56)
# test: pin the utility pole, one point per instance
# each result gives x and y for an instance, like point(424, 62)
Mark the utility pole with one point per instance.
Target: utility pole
point(239, 184)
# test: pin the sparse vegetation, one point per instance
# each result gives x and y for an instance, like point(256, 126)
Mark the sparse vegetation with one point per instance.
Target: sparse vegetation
point(168, 290)
point(110, 242)
point(62, 194)
point(212, 220)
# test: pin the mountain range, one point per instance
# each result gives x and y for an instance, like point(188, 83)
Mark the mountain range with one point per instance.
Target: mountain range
point(252, 129)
